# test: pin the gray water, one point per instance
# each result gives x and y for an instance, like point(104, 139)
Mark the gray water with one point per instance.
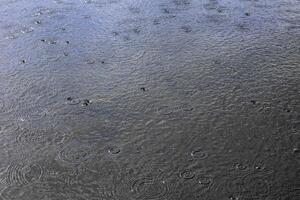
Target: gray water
point(149, 100)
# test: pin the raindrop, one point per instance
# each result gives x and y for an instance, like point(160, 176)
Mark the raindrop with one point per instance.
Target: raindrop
point(74, 153)
point(205, 181)
point(72, 101)
point(114, 150)
point(187, 174)
point(165, 110)
point(199, 154)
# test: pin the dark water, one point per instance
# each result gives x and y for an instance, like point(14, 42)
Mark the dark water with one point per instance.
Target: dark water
point(149, 100)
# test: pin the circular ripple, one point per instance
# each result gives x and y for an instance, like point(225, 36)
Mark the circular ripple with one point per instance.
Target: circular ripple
point(165, 110)
point(241, 166)
point(205, 181)
point(75, 153)
point(72, 101)
point(150, 188)
point(23, 174)
point(255, 186)
point(114, 150)
point(187, 107)
point(199, 154)
point(40, 137)
point(187, 174)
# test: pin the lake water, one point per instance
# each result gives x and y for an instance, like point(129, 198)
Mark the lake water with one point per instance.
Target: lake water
point(150, 100)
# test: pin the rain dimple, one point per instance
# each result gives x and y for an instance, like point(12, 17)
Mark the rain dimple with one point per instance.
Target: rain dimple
point(114, 150)
point(187, 174)
point(199, 154)
point(74, 153)
point(149, 188)
point(73, 101)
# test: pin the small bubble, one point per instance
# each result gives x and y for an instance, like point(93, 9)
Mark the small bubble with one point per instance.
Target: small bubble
point(23, 61)
point(296, 150)
point(68, 42)
point(38, 22)
point(247, 13)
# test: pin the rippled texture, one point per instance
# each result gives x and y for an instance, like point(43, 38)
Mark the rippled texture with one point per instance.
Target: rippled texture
point(149, 100)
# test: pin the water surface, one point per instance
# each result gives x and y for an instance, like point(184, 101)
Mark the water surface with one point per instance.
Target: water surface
point(149, 100)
